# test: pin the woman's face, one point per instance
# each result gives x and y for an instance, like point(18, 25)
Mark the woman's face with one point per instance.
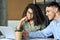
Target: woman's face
point(29, 14)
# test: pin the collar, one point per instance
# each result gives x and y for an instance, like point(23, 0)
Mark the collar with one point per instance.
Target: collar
point(58, 20)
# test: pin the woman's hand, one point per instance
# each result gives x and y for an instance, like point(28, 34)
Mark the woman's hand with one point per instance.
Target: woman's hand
point(20, 22)
point(24, 19)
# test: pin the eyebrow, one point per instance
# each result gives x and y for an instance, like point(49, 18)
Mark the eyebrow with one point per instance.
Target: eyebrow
point(29, 12)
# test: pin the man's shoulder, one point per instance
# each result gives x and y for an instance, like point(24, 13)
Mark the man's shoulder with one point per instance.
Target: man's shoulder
point(52, 21)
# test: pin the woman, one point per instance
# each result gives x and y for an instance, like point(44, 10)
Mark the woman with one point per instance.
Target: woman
point(32, 19)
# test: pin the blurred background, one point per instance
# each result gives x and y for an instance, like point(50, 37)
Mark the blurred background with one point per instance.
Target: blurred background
point(11, 11)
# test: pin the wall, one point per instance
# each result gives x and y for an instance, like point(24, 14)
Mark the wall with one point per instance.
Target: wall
point(16, 7)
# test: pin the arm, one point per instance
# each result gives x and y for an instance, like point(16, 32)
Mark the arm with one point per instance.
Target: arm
point(44, 33)
point(20, 23)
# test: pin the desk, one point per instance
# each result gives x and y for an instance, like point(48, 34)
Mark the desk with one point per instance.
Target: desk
point(6, 39)
point(40, 39)
point(31, 39)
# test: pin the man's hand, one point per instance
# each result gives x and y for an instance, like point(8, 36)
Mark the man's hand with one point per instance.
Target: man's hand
point(25, 34)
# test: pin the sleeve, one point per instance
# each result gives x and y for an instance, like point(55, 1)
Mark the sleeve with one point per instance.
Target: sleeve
point(22, 27)
point(43, 33)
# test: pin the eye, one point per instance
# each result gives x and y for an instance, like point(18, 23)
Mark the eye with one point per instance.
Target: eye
point(47, 11)
point(29, 12)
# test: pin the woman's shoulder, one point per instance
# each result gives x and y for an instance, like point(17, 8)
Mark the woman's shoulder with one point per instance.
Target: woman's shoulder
point(24, 22)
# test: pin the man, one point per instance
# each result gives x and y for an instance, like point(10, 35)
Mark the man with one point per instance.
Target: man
point(53, 13)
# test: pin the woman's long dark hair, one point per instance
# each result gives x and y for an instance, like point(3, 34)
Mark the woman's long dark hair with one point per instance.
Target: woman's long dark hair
point(38, 16)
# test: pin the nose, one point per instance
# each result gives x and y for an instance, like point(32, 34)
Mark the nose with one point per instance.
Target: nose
point(28, 15)
point(46, 14)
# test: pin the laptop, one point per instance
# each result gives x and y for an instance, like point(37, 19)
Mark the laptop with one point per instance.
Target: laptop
point(8, 32)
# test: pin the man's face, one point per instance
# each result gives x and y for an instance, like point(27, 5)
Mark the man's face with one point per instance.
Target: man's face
point(50, 13)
